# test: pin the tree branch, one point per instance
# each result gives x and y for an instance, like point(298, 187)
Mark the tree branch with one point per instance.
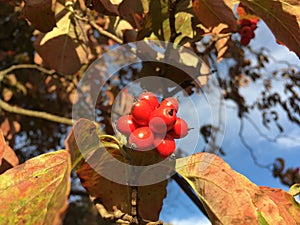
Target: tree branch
point(25, 66)
point(37, 114)
point(189, 192)
point(69, 7)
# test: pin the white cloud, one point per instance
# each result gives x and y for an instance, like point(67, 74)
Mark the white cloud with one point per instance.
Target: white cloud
point(191, 221)
point(288, 143)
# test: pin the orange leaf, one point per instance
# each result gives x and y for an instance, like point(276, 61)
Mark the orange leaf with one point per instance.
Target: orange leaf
point(230, 198)
point(36, 192)
point(282, 17)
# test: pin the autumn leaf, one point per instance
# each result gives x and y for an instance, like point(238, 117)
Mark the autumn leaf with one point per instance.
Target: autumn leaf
point(100, 163)
point(213, 12)
point(36, 192)
point(82, 139)
point(150, 198)
point(40, 14)
point(230, 198)
point(8, 157)
point(282, 17)
point(65, 47)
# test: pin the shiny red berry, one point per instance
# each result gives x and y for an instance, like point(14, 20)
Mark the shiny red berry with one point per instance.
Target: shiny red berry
point(245, 40)
point(170, 102)
point(126, 125)
point(150, 98)
point(165, 147)
point(162, 119)
point(244, 22)
point(247, 32)
point(141, 112)
point(180, 129)
point(141, 139)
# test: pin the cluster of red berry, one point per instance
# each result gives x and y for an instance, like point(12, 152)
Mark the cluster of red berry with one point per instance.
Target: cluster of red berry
point(153, 125)
point(246, 30)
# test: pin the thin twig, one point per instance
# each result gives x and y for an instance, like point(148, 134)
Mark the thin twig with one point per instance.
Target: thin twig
point(37, 114)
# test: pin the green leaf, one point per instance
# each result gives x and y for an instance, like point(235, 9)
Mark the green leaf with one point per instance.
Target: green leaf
point(36, 192)
point(282, 17)
point(231, 198)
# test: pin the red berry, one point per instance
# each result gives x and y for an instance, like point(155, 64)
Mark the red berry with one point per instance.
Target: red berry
point(244, 22)
point(180, 128)
point(165, 147)
point(162, 119)
point(246, 32)
point(170, 102)
point(141, 112)
point(142, 139)
point(253, 26)
point(126, 124)
point(150, 98)
point(245, 40)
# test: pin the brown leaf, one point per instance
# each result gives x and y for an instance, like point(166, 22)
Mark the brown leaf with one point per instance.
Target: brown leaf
point(40, 14)
point(282, 17)
point(150, 198)
point(64, 48)
point(231, 198)
point(213, 12)
point(36, 192)
point(8, 157)
point(84, 140)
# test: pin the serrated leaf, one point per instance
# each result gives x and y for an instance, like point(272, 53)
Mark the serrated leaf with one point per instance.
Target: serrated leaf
point(213, 12)
point(282, 17)
point(40, 14)
point(36, 192)
point(241, 201)
point(64, 48)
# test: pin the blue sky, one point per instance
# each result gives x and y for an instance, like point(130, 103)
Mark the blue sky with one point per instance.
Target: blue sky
point(178, 209)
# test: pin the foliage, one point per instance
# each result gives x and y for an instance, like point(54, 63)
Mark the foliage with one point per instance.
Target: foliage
point(45, 48)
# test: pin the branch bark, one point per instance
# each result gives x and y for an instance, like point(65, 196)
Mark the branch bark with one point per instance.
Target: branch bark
point(37, 114)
